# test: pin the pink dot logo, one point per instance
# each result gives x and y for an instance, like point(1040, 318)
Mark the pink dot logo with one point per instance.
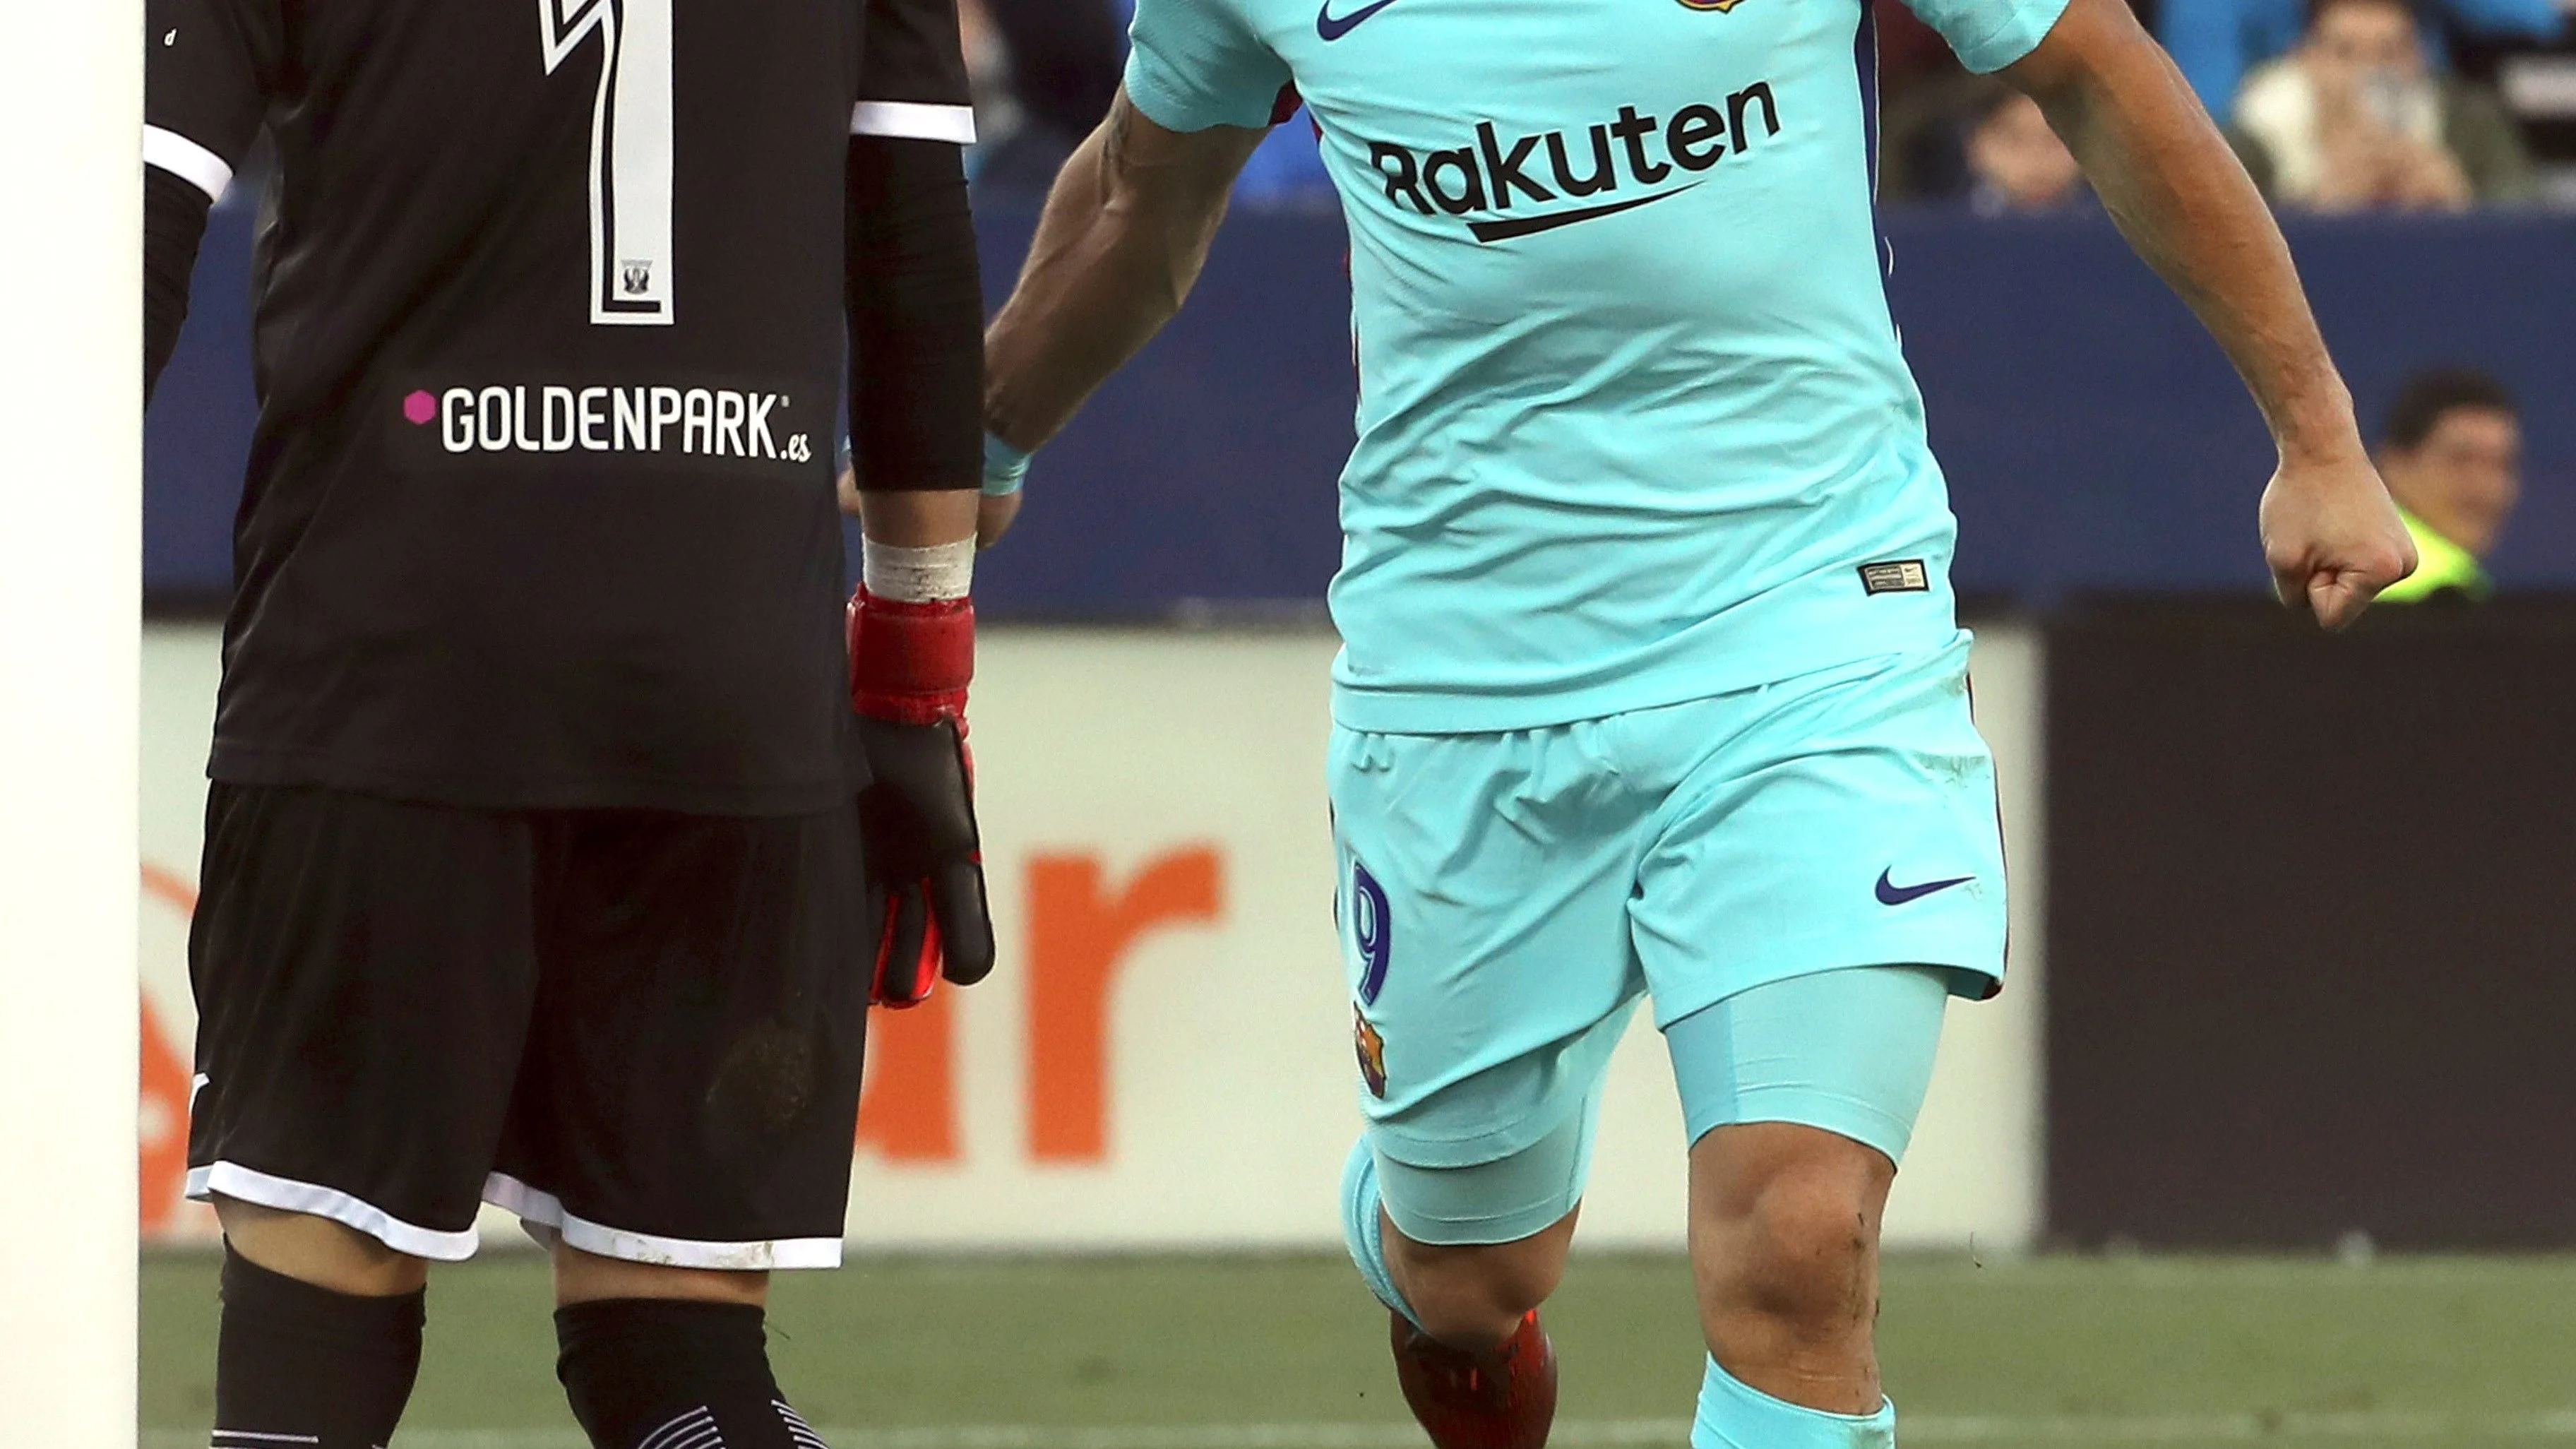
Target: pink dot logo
point(421, 407)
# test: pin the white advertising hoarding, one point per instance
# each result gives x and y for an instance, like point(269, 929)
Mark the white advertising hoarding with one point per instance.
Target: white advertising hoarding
point(71, 555)
point(1163, 1059)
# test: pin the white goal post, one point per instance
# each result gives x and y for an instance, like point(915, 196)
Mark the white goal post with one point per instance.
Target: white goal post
point(71, 121)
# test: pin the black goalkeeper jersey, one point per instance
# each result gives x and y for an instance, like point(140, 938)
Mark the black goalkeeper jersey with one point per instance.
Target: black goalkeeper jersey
point(549, 338)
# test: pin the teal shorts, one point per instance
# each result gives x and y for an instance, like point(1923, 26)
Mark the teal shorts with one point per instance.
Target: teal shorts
point(1506, 900)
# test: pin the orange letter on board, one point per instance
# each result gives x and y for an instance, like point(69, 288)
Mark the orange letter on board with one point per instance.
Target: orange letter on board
point(165, 1124)
point(909, 1111)
point(166, 1083)
point(1078, 933)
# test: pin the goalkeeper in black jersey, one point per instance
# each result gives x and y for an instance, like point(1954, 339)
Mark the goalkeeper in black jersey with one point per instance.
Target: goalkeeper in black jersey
point(564, 822)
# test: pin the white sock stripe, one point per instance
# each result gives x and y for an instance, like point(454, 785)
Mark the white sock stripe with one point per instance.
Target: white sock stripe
point(253, 1437)
point(685, 1422)
point(707, 1436)
point(670, 1435)
point(797, 1429)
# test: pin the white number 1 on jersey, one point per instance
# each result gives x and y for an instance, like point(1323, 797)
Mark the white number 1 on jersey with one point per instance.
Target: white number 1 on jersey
point(630, 152)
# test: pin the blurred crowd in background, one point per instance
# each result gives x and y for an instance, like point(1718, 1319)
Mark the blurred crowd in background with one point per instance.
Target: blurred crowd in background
point(2336, 105)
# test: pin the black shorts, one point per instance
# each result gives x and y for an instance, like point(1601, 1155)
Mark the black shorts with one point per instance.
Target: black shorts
point(640, 1030)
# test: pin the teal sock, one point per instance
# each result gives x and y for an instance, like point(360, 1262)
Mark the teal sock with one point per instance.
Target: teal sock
point(1364, 1230)
point(1735, 1415)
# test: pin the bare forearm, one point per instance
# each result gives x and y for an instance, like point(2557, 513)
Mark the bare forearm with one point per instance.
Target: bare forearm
point(2330, 535)
point(2179, 194)
point(1122, 240)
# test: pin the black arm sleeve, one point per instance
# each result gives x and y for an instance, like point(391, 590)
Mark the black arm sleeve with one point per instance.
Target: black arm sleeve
point(174, 222)
point(916, 308)
point(206, 70)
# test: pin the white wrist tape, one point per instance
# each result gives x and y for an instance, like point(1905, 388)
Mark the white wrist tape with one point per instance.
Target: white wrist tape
point(930, 575)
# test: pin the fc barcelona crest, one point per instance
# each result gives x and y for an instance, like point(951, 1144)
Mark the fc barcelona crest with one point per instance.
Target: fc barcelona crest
point(1719, 6)
point(1372, 1049)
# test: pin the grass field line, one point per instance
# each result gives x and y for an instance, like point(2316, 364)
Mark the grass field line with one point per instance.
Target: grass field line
point(2199, 1273)
point(1596, 1433)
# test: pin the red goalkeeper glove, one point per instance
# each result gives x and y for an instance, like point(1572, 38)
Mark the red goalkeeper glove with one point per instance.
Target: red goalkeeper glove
point(909, 667)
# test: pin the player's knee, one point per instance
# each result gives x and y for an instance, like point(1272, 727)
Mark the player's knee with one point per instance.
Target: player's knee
point(1808, 1267)
point(1797, 1251)
point(1475, 1295)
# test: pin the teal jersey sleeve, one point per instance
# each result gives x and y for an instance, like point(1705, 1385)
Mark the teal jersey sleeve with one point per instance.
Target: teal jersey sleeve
point(1990, 34)
point(1197, 63)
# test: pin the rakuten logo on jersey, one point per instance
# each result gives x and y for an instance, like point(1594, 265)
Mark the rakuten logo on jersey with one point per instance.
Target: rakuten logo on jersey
point(1631, 152)
point(673, 421)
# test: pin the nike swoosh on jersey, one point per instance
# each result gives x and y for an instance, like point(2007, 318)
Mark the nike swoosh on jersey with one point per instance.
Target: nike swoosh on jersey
point(1332, 30)
point(1892, 894)
point(1494, 231)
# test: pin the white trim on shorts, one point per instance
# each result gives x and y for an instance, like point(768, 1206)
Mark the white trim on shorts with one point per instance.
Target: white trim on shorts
point(538, 1209)
point(285, 1194)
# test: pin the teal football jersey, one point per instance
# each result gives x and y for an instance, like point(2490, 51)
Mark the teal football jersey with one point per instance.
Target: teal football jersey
point(1634, 427)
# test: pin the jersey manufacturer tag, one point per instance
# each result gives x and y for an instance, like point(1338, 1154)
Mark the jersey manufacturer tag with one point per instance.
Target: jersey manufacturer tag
point(1896, 576)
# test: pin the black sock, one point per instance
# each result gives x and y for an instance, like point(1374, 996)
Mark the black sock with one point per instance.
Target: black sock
point(652, 1373)
point(304, 1367)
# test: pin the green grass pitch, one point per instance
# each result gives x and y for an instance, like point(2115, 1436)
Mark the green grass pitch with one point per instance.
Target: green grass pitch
point(1287, 1353)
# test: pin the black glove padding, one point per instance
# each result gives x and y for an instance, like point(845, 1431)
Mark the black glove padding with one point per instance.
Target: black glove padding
point(925, 860)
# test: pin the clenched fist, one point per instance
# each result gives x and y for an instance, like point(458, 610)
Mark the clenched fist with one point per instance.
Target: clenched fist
point(2332, 537)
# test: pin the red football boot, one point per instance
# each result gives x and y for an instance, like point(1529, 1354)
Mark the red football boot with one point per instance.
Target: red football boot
point(1500, 1400)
